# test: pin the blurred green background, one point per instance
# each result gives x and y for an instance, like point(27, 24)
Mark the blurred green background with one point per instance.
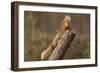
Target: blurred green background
point(40, 29)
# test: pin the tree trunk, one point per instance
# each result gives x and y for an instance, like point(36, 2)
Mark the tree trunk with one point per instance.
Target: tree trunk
point(62, 46)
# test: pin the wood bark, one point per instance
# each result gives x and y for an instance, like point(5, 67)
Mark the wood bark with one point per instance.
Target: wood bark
point(62, 45)
point(45, 54)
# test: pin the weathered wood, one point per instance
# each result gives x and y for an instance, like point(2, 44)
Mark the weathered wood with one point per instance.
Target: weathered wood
point(46, 53)
point(62, 46)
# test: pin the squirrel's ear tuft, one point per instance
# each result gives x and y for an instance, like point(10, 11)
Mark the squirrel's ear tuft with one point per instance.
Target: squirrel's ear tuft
point(67, 18)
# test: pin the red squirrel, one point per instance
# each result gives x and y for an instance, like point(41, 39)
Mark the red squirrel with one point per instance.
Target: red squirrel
point(65, 26)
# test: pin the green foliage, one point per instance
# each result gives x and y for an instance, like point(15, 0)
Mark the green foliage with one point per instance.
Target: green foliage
point(87, 53)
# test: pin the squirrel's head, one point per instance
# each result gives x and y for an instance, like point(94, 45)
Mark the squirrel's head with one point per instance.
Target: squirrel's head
point(67, 19)
point(66, 22)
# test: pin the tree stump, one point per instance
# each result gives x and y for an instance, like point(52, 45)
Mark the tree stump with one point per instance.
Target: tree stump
point(62, 46)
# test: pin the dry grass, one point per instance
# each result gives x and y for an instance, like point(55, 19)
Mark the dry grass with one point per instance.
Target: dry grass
point(80, 48)
point(40, 42)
